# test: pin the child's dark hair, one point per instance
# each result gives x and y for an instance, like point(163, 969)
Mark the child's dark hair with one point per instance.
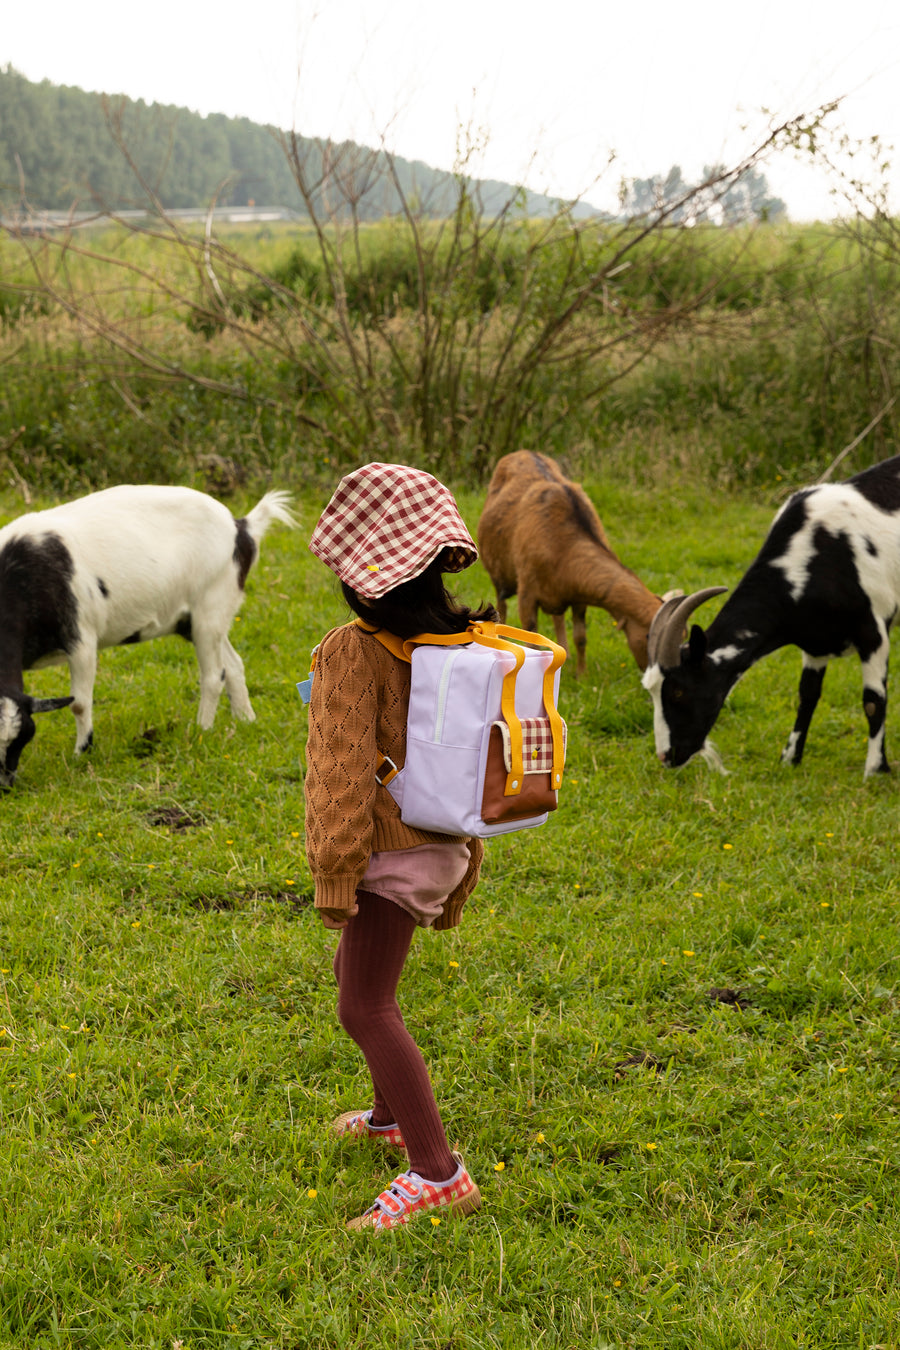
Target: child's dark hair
point(423, 605)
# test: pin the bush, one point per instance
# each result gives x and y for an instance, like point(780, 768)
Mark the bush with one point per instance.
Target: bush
point(760, 351)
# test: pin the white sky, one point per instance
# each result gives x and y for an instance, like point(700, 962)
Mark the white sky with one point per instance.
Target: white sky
point(557, 86)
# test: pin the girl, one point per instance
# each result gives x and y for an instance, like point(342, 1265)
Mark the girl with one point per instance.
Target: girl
point(389, 532)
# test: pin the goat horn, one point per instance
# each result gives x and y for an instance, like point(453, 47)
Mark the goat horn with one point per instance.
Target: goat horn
point(39, 705)
point(667, 629)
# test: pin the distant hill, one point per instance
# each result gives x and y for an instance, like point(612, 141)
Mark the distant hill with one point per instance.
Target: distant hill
point(60, 142)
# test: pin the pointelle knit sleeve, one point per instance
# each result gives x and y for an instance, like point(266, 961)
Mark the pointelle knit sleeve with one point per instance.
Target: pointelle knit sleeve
point(340, 779)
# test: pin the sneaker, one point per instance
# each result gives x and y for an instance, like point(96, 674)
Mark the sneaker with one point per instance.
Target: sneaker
point(358, 1124)
point(410, 1195)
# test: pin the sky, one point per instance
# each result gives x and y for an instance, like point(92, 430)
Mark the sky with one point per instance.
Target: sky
point(565, 96)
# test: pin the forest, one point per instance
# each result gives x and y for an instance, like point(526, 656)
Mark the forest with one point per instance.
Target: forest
point(61, 149)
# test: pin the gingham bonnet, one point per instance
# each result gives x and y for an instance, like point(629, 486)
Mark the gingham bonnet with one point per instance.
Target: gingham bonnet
point(385, 524)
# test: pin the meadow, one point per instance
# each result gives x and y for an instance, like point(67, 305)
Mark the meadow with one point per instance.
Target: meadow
point(727, 356)
point(665, 1036)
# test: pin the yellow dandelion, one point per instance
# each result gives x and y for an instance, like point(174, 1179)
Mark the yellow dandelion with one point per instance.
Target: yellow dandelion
point(698, 895)
point(76, 864)
point(64, 1026)
point(136, 923)
point(229, 841)
point(824, 904)
point(663, 961)
point(839, 1116)
point(651, 1148)
point(454, 965)
point(578, 885)
point(4, 970)
point(687, 952)
point(99, 834)
point(295, 834)
point(500, 1166)
point(289, 881)
point(435, 1220)
point(842, 1069)
point(726, 846)
point(151, 866)
point(3, 1031)
point(617, 1284)
point(539, 1139)
point(72, 1075)
point(829, 834)
point(312, 1193)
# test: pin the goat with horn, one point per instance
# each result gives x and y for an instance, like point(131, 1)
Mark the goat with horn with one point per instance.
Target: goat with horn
point(826, 579)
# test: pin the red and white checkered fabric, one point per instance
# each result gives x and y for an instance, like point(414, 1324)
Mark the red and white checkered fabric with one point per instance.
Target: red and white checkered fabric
point(409, 1195)
point(385, 524)
point(537, 744)
point(358, 1125)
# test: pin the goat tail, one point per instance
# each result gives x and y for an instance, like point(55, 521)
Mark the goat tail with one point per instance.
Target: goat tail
point(273, 506)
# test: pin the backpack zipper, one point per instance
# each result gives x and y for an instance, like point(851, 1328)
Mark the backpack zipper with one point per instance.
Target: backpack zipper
point(443, 691)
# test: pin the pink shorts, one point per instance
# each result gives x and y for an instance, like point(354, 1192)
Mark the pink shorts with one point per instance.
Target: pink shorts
point(418, 879)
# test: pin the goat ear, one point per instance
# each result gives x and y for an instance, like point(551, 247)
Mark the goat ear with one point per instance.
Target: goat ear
point(697, 643)
point(50, 704)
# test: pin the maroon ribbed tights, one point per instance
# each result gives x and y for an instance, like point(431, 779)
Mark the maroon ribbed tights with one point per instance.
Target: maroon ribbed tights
point(368, 964)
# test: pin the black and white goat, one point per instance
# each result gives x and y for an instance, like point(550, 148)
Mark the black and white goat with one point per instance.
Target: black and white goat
point(826, 579)
point(120, 566)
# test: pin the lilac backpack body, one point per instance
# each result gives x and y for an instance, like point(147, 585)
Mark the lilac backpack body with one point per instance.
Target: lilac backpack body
point(485, 744)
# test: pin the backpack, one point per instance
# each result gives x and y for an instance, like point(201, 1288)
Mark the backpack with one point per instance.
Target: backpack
point(485, 744)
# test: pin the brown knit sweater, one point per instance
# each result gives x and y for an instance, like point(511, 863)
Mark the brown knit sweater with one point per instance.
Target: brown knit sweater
point(360, 697)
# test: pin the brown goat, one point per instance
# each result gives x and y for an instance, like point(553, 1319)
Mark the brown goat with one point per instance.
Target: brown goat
point(540, 536)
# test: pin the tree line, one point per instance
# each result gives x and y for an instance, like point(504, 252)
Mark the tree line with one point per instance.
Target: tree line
point(744, 199)
point(62, 148)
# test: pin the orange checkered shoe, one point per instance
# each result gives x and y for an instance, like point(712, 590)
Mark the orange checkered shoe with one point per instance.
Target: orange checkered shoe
point(359, 1125)
point(409, 1195)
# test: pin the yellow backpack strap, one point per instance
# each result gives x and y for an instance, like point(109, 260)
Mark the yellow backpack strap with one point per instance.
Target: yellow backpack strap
point(403, 648)
point(394, 644)
point(497, 635)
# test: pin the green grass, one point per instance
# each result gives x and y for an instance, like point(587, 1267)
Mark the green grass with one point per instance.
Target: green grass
point(171, 1058)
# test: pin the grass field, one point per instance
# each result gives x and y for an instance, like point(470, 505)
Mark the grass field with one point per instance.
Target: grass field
point(661, 1166)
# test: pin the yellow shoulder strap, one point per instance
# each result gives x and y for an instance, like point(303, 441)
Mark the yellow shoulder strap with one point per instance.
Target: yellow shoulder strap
point(393, 643)
point(402, 648)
